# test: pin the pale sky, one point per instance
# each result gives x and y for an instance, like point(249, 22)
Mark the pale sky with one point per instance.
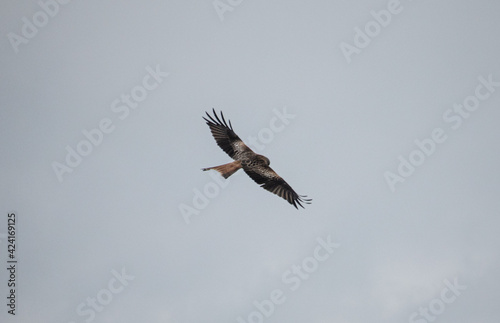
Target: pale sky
point(383, 112)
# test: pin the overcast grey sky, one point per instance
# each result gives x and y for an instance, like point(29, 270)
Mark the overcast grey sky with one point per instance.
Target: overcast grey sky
point(384, 112)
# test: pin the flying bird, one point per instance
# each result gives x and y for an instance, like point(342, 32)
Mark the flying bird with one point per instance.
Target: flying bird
point(256, 166)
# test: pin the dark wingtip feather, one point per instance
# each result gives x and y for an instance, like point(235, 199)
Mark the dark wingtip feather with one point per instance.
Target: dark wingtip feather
point(212, 119)
point(225, 123)
point(217, 117)
point(304, 199)
point(217, 120)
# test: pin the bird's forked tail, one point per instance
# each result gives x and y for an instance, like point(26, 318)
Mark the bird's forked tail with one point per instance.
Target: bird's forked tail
point(226, 170)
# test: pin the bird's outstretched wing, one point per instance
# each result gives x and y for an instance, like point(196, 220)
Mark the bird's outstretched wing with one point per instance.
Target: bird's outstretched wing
point(264, 175)
point(224, 135)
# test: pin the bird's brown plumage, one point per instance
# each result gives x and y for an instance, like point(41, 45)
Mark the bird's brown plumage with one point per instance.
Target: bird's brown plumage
point(256, 166)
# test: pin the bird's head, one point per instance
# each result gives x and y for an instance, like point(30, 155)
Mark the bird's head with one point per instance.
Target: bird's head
point(265, 159)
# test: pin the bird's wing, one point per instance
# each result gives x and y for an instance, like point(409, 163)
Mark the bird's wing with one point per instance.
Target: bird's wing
point(224, 135)
point(264, 175)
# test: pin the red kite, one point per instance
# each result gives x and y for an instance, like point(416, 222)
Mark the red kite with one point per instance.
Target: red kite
point(256, 166)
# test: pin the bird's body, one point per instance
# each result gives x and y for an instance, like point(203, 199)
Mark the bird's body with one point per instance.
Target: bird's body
point(256, 166)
